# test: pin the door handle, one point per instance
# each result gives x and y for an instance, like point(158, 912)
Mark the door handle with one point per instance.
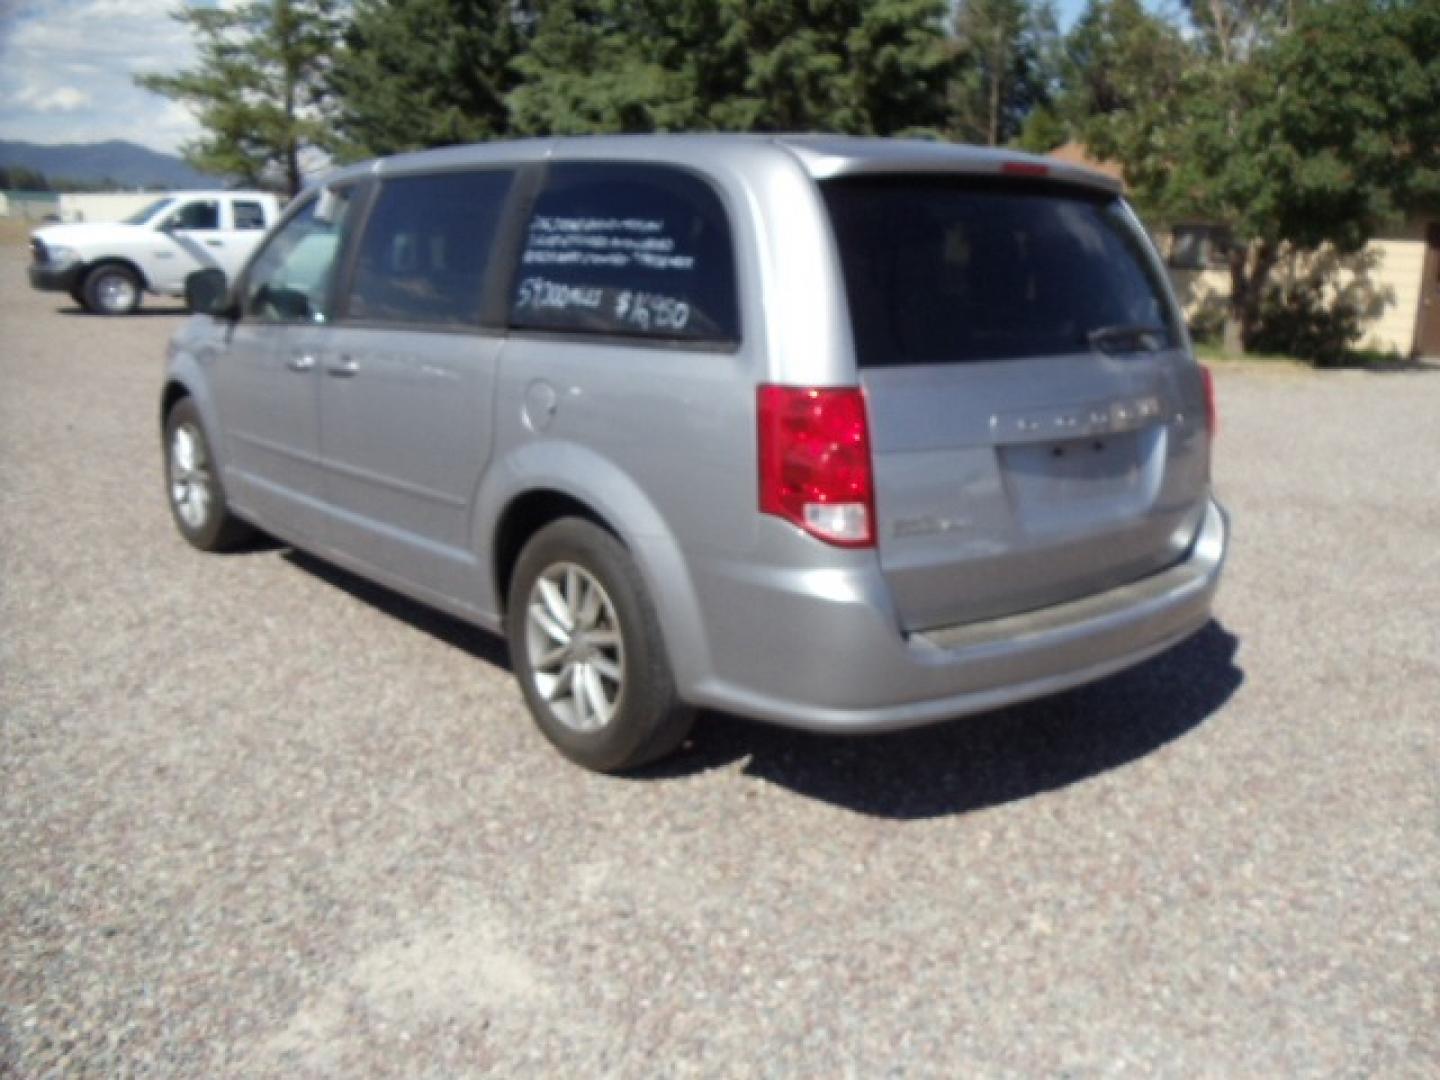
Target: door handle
point(215, 243)
point(300, 362)
point(343, 367)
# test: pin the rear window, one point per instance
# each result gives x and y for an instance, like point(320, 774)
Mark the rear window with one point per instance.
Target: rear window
point(633, 250)
point(944, 270)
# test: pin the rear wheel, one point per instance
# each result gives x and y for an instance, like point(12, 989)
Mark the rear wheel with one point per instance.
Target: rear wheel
point(112, 289)
point(585, 645)
point(197, 501)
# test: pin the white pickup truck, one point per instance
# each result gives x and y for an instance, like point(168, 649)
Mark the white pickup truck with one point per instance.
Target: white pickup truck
point(105, 266)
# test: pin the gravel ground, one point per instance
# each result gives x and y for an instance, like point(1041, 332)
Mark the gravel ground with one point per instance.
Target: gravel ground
point(258, 818)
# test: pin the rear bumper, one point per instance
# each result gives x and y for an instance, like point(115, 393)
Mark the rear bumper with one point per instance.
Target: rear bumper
point(831, 659)
point(49, 278)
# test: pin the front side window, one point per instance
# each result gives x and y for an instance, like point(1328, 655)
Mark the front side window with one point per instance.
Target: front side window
point(425, 249)
point(941, 269)
point(290, 278)
point(200, 214)
point(632, 250)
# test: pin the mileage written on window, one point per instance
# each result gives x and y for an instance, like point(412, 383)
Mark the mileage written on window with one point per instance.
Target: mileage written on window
point(613, 243)
point(626, 251)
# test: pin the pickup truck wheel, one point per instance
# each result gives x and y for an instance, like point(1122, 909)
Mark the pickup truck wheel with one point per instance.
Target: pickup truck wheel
point(112, 289)
point(586, 648)
point(192, 482)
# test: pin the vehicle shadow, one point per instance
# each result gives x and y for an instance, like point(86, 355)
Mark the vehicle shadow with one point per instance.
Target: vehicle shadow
point(139, 313)
point(949, 768)
point(479, 643)
point(979, 761)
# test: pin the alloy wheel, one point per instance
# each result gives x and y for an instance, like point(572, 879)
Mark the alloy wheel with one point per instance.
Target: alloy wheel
point(190, 479)
point(574, 646)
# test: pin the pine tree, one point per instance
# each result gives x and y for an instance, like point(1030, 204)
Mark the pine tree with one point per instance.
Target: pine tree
point(1005, 57)
point(420, 73)
point(258, 89)
point(750, 65)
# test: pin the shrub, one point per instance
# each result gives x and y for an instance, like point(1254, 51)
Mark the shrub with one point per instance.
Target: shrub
point(1300, 323)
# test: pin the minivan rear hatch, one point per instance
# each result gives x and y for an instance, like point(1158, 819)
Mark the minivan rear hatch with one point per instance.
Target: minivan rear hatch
point(1037, 425)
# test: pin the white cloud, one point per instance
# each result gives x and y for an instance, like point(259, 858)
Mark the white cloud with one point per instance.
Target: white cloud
point(62, 99)
point(67, 72)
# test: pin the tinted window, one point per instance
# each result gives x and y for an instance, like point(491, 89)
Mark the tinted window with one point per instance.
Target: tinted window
point(290, 278)
point(249, 215)
point(946, 270)
point(423, 256)
point(196, 215)
point(624, 249)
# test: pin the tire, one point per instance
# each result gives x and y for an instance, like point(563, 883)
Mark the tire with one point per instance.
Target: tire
point(77, 293)
point(607, 699)
point(192, 484)
point(112, 289)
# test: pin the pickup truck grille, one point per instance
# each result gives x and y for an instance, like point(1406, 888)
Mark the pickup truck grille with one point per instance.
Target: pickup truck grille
point(39, 253)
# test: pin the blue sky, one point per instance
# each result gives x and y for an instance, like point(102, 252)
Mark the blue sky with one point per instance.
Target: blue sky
point(66, 68)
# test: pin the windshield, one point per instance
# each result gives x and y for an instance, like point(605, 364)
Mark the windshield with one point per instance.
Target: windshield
point(150, 210)
point(946, 269)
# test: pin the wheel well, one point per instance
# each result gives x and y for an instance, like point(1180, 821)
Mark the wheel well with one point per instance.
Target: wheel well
point(173, 393)
point(522, 519)
point(116, 260)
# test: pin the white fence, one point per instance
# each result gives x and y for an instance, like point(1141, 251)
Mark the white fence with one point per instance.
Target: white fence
point(90, 207)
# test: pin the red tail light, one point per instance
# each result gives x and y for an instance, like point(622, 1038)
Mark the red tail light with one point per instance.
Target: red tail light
point(815, 462)
point(1212, 414)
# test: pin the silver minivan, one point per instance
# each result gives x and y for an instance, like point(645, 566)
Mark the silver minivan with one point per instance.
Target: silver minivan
point(849, 435)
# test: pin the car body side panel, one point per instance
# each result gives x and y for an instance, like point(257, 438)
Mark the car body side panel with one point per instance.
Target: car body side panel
point(405, 435)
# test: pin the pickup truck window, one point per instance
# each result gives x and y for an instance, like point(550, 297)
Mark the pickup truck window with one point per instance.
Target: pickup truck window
point(201, 214)
point(248, 215)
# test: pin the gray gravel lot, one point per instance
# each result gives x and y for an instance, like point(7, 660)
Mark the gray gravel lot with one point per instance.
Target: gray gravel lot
point(258, 818)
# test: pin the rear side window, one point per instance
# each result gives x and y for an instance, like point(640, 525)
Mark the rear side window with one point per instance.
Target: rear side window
point(248, 215)
point(426, 246)
point(634, 250)
point(943, 270)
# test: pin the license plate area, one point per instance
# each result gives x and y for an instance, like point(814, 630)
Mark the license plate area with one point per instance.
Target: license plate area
point(1075, 483)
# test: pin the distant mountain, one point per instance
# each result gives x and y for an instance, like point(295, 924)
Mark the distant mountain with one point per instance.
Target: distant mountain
point(124, 163)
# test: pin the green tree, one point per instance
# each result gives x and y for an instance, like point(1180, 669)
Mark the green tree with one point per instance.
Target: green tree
point(1005, 66)
point(595, 66)
point(1319, 136)
point(19, 178)
point(853, 66)
point(1231, 31)
point(1122, 71)
point(419, 73)
point(258, 88)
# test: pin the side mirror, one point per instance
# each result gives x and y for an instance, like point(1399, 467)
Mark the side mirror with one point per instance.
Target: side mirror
point(208, 292)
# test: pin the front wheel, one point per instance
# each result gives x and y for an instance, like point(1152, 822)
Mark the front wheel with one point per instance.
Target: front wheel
point(586, 648)
point(197, 501)
point(112, 289)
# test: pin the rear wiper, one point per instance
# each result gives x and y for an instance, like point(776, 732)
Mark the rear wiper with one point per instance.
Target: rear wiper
point(1128, 337)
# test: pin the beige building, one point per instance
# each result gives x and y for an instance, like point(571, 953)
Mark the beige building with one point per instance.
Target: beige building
point(1394, 281)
